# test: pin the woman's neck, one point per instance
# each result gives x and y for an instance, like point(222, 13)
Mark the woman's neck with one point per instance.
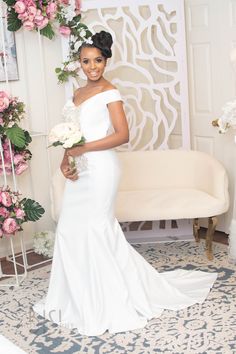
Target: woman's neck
point(99, 82)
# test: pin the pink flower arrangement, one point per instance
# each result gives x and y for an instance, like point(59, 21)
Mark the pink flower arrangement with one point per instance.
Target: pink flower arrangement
point(11, 212)
point(11, 110)
point(15, 211)
point(11, 113)
point(40, 15)
point(20, 158)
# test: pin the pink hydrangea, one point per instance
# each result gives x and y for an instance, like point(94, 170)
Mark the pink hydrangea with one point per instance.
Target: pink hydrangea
point(9, 226)
point(4, 101)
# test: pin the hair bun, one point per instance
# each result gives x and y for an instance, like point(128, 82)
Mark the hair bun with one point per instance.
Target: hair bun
point(103, 41)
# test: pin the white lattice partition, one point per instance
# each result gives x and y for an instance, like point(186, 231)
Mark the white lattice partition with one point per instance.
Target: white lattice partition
point(149, 67)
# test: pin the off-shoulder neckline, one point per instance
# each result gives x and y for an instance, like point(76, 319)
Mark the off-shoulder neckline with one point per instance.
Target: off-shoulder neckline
point(88, 99)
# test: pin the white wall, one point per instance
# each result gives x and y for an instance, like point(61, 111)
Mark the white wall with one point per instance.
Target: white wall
point(37, 87)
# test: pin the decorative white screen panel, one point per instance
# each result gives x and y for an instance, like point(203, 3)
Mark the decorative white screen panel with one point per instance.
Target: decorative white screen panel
point(148, 66)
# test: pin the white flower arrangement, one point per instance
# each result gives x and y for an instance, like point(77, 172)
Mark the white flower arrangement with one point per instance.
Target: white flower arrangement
point(66, 134)
point(227, 119)
point(43, 243)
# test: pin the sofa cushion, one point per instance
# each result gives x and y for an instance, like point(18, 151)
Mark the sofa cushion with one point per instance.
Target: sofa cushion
point(166, 204)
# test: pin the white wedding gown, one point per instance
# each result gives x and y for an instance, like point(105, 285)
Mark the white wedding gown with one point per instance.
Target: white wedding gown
point(98, 281)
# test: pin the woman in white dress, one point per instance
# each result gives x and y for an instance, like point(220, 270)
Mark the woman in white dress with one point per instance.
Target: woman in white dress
point(98, 281)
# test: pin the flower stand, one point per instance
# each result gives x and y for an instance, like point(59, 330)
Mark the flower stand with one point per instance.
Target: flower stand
point(15, 278)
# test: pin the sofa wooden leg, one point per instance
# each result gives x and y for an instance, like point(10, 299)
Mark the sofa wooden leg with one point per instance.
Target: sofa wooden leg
point(195, 229)
point(212, 221)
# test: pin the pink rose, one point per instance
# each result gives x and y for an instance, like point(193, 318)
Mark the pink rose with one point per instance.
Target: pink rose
point(7, 156)
point(20, 168)
point(29, 25)
point(9, 226)
point(19, 7)
point(29, 2)
point(40, 21)
point(44, 23)
point(51, 10)
point(23, 17)
point(31, 12)
point(64, 30)
point(19, 213)
point(6, 199)
point(4, 212)
point(64, 2)
point(18, 158)
point(77, 7)
point(4, 101)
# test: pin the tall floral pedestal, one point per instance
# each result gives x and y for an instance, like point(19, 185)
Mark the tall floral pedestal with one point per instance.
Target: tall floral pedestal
point(15, 278)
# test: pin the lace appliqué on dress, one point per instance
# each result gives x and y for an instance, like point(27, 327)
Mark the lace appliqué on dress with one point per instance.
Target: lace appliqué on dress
point(71, 113)
point(81, 163)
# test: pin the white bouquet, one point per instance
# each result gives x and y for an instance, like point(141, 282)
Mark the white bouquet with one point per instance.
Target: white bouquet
point(227, 119)
point(68, 135)
point(44, 243)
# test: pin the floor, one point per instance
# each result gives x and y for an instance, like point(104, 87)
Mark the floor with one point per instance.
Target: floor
point(7, 267)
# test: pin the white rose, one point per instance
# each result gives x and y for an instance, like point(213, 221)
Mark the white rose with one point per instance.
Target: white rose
point(82, 32)
point(74, 139)
point(61, 132)
point(73, 65)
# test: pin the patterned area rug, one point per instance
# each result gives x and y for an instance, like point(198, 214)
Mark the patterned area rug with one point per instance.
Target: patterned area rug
point(209, 328)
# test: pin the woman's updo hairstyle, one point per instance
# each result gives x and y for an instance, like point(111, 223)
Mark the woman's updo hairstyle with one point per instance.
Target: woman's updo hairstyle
point(101, 40)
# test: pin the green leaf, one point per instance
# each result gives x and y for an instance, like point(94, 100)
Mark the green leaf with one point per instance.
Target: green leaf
point(57, 70)
point(13, 22)
point(33, 210)
point(47, 31)
point(10, 2)
point(28, 138)
point(16, 136)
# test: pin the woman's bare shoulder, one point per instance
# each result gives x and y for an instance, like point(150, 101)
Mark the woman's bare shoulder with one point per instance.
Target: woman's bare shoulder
point(108, 86)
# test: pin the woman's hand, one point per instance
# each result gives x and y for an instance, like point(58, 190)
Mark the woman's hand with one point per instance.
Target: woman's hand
point(76, 151)
point(69, 172)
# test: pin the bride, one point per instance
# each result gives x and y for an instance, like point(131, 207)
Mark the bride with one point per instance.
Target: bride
point(98, 281)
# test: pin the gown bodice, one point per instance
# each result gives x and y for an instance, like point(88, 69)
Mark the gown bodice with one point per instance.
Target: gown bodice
point(92, 115)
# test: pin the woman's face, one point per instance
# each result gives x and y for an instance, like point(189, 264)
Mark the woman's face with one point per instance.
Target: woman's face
point(92, 62)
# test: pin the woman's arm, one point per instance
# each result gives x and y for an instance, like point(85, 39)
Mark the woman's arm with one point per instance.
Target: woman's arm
point(119, 137)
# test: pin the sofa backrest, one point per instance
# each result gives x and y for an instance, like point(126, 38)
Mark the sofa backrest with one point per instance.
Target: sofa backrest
point(169, 169)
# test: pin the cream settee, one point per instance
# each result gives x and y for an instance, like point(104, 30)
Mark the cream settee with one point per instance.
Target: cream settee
point(166, 185)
